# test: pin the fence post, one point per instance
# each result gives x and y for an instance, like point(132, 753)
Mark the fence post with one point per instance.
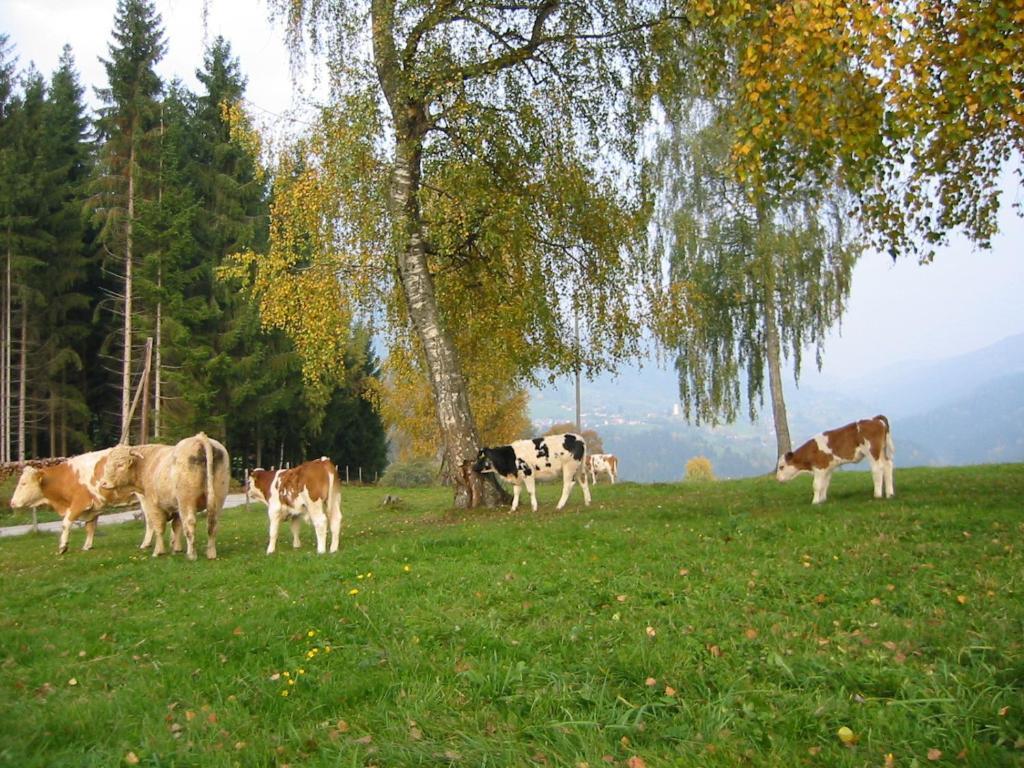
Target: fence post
point(346, 474)
point(360, 475)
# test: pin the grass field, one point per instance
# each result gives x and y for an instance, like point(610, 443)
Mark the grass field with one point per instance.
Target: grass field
point(714, 624)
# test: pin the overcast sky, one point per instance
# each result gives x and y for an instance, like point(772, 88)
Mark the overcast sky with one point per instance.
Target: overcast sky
point(965, 300)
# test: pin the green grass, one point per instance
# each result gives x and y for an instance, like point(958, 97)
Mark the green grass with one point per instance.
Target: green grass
point(713, 624)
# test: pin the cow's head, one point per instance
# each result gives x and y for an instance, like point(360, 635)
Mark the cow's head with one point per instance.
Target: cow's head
point(29, 491)
point(258, 480)
point(121, 469)
point(484, 461)
point(785, 469)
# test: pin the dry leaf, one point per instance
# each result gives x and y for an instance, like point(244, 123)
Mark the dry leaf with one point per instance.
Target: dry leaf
point(364, 739)
point(890, 761)
point(636, 762)
point(415, 733)
point(73, 681)
point(962, 599)
point(1003, 711)
point(751, 633)
point(684, 571)
point(342, 726)
point(714, 650)
point(237, 632)
point(812, 751)
point(650, 681)
point(670, 691)
point(131, 758)
point(934, 754)
point(621, 598)
point(651, 632)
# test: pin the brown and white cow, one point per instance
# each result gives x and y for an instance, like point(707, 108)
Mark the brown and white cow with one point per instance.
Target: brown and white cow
point(867, 438)
point(311, 490)
point(523, 462)
point(72, 488)
point(174, 480)
point(602, 462)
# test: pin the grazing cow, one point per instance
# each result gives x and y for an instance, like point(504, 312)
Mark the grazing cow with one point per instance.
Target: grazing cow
point(526, 461)
point(174, 479)
point(72, 488)
point(823, 453)
point(312, 489)
point(602, 462)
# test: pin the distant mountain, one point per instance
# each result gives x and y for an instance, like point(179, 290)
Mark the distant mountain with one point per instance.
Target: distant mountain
point(960, 410)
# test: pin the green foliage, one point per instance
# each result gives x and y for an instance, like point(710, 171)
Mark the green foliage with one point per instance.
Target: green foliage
point(510, 640)
point(699, 469)
point(414, 473)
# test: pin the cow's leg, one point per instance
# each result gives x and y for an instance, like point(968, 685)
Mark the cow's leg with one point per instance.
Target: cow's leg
point(157, 523)
point(147, 537)
point(90, 531)
point(821, 478)
point(274, 515)
point(531, 487)
point(176, 545)
point(515, 494)
point(890, 491)
point(319, 521)
point(296, 523)
point(65, 530)
point(586, 488)
point(187, 511)
point(877, 476)
point(212, 518)
point(335, 523)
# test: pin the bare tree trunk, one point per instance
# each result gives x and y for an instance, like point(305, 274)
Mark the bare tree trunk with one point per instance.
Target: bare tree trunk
point(772, 355)
point(126, 364)
point(22, 379)
point(156, 364)
point(5, 375)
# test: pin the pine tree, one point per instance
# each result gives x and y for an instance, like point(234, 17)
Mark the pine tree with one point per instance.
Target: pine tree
point(128, 127)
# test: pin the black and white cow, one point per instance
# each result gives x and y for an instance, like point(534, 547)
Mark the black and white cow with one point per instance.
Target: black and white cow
point(542, 458)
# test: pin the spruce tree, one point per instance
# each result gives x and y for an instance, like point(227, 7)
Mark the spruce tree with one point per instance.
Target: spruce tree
point(128, 128)
point(61, 316)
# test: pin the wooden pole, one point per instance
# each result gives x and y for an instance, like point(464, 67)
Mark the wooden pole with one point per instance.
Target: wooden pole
point(138, 393)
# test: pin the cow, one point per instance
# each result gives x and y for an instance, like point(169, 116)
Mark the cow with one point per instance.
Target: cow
point(525, 461)
point(72, 488)
point(174, 480)
point(602, 462)
point(821, 454)
point(311, 490)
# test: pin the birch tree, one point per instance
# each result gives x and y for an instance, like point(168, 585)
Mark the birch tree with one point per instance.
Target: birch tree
point(497, 191)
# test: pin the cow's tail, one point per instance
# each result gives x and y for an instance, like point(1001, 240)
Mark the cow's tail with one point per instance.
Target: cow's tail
point(208, 448)
point(890, 448)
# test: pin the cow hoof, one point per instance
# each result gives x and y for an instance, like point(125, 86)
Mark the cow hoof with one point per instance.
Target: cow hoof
point(191, 556)
point(62, 550)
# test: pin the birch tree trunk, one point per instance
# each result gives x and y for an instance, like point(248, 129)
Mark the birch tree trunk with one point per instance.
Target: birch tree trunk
point(772, 355)
point(451, 399)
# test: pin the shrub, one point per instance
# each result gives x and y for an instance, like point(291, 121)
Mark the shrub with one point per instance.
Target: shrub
point(699, 468)
point(416, 473)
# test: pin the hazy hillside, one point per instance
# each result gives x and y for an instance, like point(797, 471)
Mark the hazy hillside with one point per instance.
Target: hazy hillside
point(966, 409)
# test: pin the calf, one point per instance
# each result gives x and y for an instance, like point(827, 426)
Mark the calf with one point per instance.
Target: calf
point(823, 453)
point(526, 461)
point(174, 479)
point(72, 488)
point(312, 490)
point(602, 462)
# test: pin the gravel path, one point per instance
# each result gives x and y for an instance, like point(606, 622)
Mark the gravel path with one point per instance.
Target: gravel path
point(125, 515)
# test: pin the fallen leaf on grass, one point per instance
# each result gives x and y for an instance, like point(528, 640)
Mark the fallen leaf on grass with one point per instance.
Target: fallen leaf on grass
point(131, 758)
point(636, 762)
point(934, 754)
point(890, 761)
point(367, 739)
point(651, 632)
point(650, 682)
point(962, 599)
point(750, 634)
point(714, 650)
point(670, 691)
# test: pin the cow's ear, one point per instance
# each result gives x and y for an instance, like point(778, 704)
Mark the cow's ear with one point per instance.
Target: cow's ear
point(789, 455)
point(135, 453)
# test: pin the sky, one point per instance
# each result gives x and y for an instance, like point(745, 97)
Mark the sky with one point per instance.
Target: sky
point(965, 300)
